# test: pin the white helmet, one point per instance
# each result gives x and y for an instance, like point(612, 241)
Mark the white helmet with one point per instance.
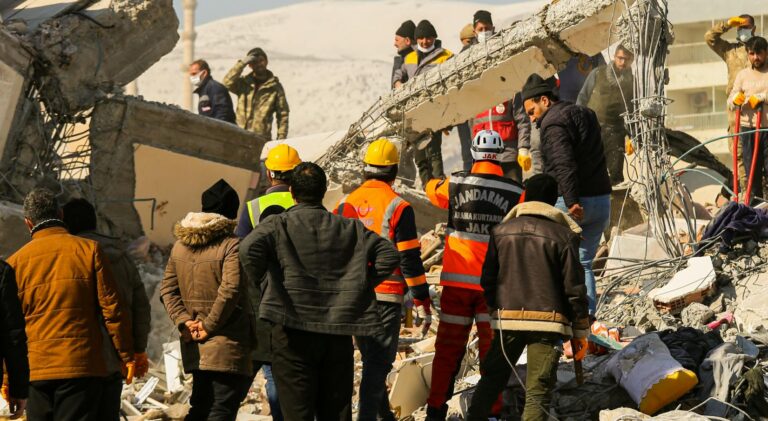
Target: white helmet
point(487, 145)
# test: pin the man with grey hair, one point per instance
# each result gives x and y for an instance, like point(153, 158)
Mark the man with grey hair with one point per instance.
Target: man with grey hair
point(67, 291)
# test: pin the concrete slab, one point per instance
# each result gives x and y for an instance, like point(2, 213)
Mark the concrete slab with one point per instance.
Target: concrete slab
point(633, 246)
point(410, 388)
point(34, 12)
point(15, 63)
point(15, 233)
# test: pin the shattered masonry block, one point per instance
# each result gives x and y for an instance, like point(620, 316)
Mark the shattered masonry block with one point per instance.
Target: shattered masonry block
point(690, 285)
point(101, 48)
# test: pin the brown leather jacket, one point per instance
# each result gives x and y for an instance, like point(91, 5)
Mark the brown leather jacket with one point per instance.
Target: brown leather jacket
point(64, 283)
point(202, 282)
point(532, 277)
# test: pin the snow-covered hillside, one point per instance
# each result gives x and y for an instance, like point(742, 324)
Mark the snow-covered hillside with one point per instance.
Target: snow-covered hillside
point(333, 56)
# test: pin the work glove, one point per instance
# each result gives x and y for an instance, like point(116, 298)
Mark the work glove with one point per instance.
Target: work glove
point(756, 100)
point(141, 364)
point(737, 101)
point(628, 148)
point(736, 22)
point(524, 159)
point(128, 369)
point(423, 314)
point(579, 347)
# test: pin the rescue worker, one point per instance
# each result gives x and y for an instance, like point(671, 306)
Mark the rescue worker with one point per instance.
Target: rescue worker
point(280, 162)
point(750, 90)
point(213, 98)
point(260, 96)
point(734, 54)
point(508, 118)
point(384, 212)
point(535, 250)
point(466, 35)
point(429, 53)
point(476, 201)
point(609, 92)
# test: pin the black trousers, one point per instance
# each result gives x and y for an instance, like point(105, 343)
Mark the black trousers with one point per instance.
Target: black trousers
point(378, 352)
point(217, 396)
point(109, 404)
point(64, 400)
point(314, 374)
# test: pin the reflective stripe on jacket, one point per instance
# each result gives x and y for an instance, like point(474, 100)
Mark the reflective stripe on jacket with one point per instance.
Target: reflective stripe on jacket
point(477, 201)
point(382, 211)
point(258, 207)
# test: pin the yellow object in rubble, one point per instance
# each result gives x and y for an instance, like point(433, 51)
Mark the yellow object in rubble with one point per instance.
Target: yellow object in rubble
point(382, 153)
point(667, 390)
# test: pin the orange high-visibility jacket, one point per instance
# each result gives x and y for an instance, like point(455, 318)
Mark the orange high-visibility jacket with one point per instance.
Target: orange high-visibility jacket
point(382, 211)
point(476, 201)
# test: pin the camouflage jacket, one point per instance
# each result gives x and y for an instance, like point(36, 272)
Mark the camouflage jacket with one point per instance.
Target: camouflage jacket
point(257, 103)
point(733, 53)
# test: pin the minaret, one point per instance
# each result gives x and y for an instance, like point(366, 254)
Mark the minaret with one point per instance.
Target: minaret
point(188, 37)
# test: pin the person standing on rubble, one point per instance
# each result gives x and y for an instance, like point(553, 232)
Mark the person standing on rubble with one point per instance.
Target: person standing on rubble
point(404, 43)
point(206, 298)
point(428, 55)
point(467, 38)
point(67, 292)
point(609, 92)
point(280, 162)
point(319, 293)
point(80, 218)
point(260, 96)
point(572, 153)
point(213, 98)
point(534, 283)
point(734, 54)
point(750, 90)
point(476, 201)
point(13, 344)
point(384, 212)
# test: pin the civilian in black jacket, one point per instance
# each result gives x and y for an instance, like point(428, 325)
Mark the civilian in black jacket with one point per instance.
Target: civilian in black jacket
point(13, 343)
point(572, 151)
point(214, 100)
point(319, 292)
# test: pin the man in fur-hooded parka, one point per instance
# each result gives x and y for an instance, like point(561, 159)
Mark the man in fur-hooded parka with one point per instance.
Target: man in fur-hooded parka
point(206, 299)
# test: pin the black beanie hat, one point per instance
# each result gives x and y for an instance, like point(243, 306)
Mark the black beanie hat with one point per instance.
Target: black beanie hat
point(407, 30)
point(482, 16)
point(541, 188)
point(221, 198)
point(256, 52)
point(425, 30)
point(535, 86)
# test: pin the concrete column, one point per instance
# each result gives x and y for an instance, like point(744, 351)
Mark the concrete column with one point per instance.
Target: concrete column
point(188, 37)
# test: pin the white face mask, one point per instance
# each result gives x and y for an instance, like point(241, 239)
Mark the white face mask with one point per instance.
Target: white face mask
point(743, 34)
point(483, 36)
point(195, 80)
point(425, 50)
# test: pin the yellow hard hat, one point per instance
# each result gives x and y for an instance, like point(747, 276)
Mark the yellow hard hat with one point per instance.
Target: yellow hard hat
point(382, 153)
point(282, 158)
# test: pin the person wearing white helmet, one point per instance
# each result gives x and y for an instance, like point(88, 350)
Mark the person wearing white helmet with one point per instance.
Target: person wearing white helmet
point(476, 200)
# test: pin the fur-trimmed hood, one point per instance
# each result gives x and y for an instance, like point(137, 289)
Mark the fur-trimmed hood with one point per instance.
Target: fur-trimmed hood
point(544, 210)
point(199, 229)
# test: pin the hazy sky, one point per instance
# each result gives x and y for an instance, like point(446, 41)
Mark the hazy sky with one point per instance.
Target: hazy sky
point(210, 10)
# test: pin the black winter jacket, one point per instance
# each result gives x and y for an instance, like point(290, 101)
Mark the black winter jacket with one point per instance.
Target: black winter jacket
point(322, 270)
point(13, 337)
point(214, 101)
point(572, 151)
